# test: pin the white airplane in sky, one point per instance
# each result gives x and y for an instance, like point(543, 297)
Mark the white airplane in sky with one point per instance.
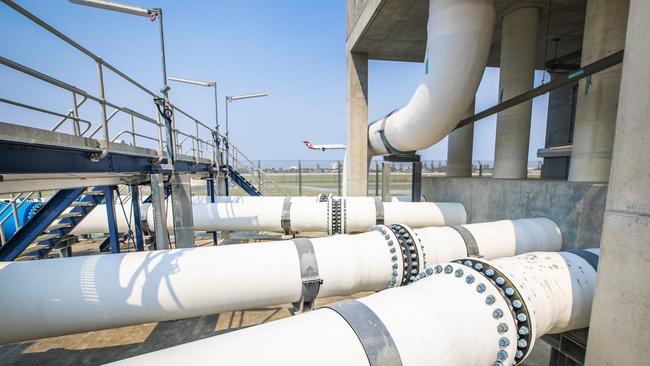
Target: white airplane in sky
point(323, 147)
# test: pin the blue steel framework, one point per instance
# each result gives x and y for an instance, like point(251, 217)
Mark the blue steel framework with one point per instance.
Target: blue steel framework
point(20, 157)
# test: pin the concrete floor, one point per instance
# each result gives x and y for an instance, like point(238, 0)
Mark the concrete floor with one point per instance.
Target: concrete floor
point(100, 347)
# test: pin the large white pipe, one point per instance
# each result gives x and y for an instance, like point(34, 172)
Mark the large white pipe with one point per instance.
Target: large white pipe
point(334, 216)
point(459, 35)
point(475, 312)
point(106, 291)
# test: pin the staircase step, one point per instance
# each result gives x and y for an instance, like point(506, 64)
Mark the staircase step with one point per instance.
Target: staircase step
point(93, 193)
point(27, 257)
point(70, 215)
point(82, 204)
point(35, 246)
point(58, 226)
point(46, 237)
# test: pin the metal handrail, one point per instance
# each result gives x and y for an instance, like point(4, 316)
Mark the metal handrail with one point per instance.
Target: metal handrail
point(133, 134)
point(14, 213)
point(101, 100)
point(74, 44)
point(74, 115)
point(100, 63)
point(255, 168)
point(37, 109)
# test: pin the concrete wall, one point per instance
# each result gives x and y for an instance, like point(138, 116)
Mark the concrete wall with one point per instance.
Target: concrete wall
point(576, 207)
point(354, 8)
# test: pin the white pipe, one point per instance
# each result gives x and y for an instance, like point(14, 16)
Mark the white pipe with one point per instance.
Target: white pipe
point(105, 291)
point(459, 34)
point(445, 318)
point(497, 239)
point(357, 215)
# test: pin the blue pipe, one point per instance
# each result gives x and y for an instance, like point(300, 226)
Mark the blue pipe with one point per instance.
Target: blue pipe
point(25, 212)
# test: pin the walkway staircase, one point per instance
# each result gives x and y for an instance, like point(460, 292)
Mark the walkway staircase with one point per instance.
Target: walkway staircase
point(52, 224)
point(242, 182)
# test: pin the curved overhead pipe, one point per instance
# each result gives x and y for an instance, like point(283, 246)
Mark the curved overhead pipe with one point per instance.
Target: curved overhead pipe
point(459, 35)
point(336, 215)
point(107, 291)
point(468, 312)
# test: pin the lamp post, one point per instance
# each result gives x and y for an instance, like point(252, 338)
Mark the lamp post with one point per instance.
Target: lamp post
point(181, 204)
point(230, 99)
point(208, 84)
point(152, 14)
point(213, 85)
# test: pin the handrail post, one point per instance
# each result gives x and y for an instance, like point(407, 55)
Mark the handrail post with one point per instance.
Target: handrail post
point(14, 211)
point(198, 141)
point(133, 129)
point(75, 115)
point(102, 97)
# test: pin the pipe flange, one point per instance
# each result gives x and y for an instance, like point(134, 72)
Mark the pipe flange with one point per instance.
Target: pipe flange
point(492, 295)
point(517, 305)
point(397, 267)
point(412, 252)
point(338, 220)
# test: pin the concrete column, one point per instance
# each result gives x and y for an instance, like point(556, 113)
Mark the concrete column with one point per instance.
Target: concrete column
point(385, 181)
point(593, 137)
point(459, 149)
point(518, 46)
point(356, 155)
point(619, 321)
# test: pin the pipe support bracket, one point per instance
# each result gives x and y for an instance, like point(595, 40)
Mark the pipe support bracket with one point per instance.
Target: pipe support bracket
point(371, 331)
point(311, 280)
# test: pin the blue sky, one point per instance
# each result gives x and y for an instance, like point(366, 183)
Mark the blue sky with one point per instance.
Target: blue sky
point(292, 49)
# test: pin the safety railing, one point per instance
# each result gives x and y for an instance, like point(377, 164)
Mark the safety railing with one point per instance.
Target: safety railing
point(100, 132)
point(254, 173)
point(184, 142)
point(15, 202)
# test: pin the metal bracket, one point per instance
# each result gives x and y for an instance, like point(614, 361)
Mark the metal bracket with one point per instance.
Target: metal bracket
point(311, 280)
point(285, 220)
point(384, 140)
point(470, 241)
point(375, 339)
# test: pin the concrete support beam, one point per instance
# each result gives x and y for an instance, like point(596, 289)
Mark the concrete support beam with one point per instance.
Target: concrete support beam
point(605, 24)
point(356, 155)
point(518, 46)
point(621, 309)
point(459, 149)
